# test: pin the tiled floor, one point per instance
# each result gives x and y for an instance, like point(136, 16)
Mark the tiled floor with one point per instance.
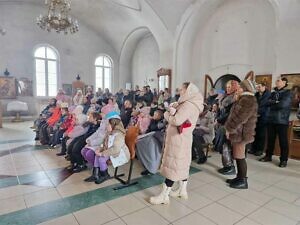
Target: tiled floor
point(35, 188)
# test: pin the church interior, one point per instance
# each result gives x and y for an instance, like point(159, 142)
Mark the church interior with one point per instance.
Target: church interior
point(97, 112)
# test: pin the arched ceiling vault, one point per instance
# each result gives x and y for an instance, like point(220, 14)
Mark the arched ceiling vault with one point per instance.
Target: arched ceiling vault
point(114, 20)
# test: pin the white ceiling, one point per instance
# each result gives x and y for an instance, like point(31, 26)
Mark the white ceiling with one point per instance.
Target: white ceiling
point(114, 20)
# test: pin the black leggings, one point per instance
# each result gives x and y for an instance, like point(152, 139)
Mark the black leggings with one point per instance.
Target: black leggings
point(170, 183)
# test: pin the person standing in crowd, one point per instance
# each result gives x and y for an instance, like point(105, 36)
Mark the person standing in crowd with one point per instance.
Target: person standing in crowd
point(155, 95)
point(119, 98)
point(298, 113)
point(148, 95)
point(167, 96)
point(160, 97)
point(212, 95)
point(127, 96)
point(126, 112)
point(262, 95)
point(177, 151)
point(240, 130)
point(177, 95)
point(78, 98)
point(86, 104)
point(106, 93)
point(99, 93)
point(221, 144)
point(89, 94)
point(278, 121)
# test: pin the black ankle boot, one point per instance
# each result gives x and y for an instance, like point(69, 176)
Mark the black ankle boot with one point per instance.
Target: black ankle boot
point(79, 168)
point(60, 154)
point(265, 159)
point(230, 170)
point(239, 183)
point(282, 164)
point(94, 176)
point(104, 175)
point(229, 181)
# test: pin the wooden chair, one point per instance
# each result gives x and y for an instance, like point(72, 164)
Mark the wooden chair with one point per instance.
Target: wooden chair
point(130, 140)
point(209, 147)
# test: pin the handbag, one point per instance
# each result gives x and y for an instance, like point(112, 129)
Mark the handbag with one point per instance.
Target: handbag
point(183, 126)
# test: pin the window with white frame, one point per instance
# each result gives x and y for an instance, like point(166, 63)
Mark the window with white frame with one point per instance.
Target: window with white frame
point(46, 69)
point(104, 68)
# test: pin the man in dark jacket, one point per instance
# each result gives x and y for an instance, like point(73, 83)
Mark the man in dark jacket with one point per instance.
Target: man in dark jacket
point(126, 112)
point(278, 121)
point(127, 96)
point(148, 95)
point(120, 96)
point(262, 97)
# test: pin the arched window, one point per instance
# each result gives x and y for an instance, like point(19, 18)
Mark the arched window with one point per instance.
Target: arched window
point(46, 69)
point(103, 66)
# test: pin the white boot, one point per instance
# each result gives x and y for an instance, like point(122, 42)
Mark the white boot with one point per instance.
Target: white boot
point(162, 198)
point(181, 191)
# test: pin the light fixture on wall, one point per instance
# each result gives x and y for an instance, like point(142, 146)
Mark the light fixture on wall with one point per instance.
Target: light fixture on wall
point(58, 17)
point(2, 31)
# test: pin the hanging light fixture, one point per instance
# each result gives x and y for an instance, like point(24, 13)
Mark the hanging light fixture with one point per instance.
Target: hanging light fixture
point(58, 17)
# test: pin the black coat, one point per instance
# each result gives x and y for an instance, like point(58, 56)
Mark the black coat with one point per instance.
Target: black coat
point(92, 129)
point(280, 106)
point(263, 107)
point(125, 116)
point(156, 125)
point(127, 97)
point(148, 98)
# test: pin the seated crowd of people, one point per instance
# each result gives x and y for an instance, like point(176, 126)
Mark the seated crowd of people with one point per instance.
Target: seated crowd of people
point(92, 128)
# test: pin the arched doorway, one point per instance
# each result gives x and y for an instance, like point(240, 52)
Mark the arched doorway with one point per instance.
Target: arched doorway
point(221, 82)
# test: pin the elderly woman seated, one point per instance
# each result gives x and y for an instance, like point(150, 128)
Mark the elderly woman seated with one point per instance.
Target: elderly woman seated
point(149, 146)
point(204, 133)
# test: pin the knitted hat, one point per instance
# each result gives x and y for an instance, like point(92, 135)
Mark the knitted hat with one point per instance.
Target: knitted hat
point(112, 115)
point(247, 85)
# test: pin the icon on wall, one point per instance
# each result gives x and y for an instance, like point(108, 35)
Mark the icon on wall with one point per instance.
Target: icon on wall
point(24, 86)
point(8, 87)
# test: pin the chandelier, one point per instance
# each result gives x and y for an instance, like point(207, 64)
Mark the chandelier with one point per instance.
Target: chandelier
point(58, 17)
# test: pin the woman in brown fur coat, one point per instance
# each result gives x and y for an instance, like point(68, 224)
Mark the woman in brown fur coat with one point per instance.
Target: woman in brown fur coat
point(240, 130)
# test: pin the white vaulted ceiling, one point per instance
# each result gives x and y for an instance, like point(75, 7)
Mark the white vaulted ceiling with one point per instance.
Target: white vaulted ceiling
point(114, 20)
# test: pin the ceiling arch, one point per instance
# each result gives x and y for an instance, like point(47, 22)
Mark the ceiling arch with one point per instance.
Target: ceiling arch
point(194, 20)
